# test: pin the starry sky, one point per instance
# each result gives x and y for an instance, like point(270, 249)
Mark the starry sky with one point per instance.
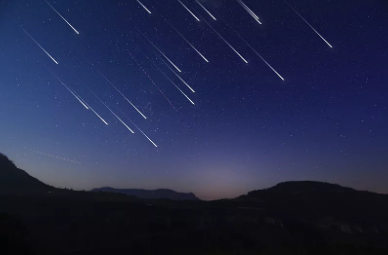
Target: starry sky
point(247, 129)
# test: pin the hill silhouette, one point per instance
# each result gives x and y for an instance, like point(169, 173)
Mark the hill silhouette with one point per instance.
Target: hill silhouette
point(319, 198)
point(16, 181)
point(290, 218)
point(151, 194)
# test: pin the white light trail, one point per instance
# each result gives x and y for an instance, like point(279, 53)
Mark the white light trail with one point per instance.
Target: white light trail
point(56, 157)
point(122, 122)
point(78, 98)
point(248, 9)
point(192, 46)
point(98, 115)
point(119, 92)
point(75, 30)
point(34, 40)
point(187, 9)
point(173, 83)
point(206, 10)
point(215, 31)
point(83, 102)
point(254, 16)
point(67, 87)
point(138, 128)
point(106, 123)
point(265, 62)
point(238, 34)
point(145, 8)
point(160, 51)
point(117, 117)
point(309, 25)
point(88, 107)
point(177, 75)
point(168, 78)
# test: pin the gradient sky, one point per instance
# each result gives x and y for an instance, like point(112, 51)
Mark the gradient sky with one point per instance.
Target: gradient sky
point(248, 129)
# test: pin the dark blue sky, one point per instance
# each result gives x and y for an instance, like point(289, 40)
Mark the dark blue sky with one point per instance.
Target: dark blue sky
point(248, 129)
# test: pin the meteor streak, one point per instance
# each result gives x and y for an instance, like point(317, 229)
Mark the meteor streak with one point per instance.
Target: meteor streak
point(263, 59)
point(309, 24)
point(34, 41)
point(215, 31)
point(176, 30)
point(138, 128)
point(159, 51)
point(106, 123)
point(103, 76)
point(238, 34)
point(145, 8)
point(168, 78)
point(249, 11)
point(187, 9)
point(80, 99)
point(122, 122)
point(75, 30)
point(67, 87)
point(57, 157)
point(177, 75)
point(206, 10)
point(152, 81)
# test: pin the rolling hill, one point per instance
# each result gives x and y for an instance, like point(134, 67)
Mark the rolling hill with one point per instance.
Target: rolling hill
point(290, 218)
point(16, 181)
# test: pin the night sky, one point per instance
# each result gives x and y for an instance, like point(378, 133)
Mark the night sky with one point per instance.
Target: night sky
point(248, 129)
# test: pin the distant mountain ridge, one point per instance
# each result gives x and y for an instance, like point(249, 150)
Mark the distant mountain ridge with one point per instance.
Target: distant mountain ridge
point(299, 217)
point(316, 194)
point(151, 194)
point(17, 182)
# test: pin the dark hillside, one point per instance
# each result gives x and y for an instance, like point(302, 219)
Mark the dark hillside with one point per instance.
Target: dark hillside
point(289, 218)
point(16, 181)
point(317, 198)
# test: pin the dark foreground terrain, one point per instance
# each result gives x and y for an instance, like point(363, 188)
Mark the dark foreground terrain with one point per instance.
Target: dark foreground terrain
point(289, 218)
